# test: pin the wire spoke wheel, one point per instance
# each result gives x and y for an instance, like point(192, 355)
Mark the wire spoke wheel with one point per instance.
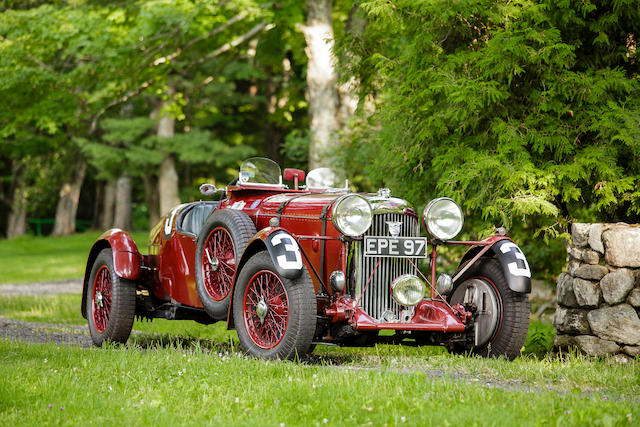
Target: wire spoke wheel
point(274, 316)
point(110, 301)
point(266, 309)
point(218, 263)
point(101, 297)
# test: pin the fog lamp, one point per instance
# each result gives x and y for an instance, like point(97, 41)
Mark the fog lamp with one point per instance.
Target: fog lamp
point(408, 290)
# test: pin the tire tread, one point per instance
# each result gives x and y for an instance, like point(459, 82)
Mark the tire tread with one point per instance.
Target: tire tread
point(242, 230)
point(515, 311)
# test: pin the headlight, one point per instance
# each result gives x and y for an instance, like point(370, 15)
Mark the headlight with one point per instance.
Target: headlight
point(408, 290)
point(352, 215)
point(443, 218)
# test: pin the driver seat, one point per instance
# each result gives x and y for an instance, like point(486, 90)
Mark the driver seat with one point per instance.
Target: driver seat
point(193, 219)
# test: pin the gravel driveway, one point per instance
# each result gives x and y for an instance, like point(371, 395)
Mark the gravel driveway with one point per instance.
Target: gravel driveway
point(43, 332)
point(48, 288)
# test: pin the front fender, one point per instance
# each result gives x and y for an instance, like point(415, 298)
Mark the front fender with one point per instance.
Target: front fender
point(514, 264)
point(283, 250)
point(126, 258)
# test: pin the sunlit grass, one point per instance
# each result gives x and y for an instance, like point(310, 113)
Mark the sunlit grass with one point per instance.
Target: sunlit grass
point(29, 259)
point(569, 373)
point(49, 384)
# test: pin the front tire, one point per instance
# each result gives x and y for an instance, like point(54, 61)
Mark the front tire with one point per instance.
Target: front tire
point(275, 317)
point(110, 303)
point(502, 320)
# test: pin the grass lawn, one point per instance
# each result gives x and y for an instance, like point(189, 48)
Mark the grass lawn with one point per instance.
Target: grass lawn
point(30, 259)
point(49, 384)
point(181, 372)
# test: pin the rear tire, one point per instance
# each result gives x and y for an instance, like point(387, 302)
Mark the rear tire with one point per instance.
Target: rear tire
point(503, 326)
point(110, 303)
point(275, 317)
point(223, 238)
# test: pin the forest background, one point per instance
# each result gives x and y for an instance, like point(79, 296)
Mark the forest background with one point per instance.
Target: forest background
point(527, 113)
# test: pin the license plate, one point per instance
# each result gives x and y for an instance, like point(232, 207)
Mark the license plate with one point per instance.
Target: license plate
point(395, 247)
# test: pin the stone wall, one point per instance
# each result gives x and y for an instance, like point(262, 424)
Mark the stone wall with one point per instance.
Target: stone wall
point(599, 294)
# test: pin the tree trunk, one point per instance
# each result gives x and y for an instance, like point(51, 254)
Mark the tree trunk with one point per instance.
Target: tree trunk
point(321, 84)
point(168, 188)
point(108, 205)
point(273, 133)
point(98, 205)
point(151, 197)
point(348, 91)
point(122, 217)
point(65, 222)
point(168, 185)
point(17, 220)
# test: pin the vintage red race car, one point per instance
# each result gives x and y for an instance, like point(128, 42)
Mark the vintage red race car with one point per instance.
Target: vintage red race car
point(292, 267)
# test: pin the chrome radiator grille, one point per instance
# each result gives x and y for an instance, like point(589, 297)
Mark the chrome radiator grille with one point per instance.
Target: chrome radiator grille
point(377, 299)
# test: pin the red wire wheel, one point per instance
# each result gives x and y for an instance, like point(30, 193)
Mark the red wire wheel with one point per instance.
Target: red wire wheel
point(266, 309)
point(218, 263)
point(101, 298)
point(109, 301)
point(274, 316)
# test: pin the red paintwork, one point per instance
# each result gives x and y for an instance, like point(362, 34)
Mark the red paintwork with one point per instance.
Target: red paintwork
point(172, 254)
point(429, 315)
point(489, 241)
point(300, 217)
point(126, 257)
point(295, 175)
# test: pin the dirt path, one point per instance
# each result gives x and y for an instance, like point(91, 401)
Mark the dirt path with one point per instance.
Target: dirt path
point(46, 288)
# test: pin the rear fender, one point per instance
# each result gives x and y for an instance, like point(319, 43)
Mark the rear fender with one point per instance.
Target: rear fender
point(283, 250)
point(514, 264)
point(126, 258)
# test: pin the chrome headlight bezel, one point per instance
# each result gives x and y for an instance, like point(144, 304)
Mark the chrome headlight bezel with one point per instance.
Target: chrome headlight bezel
point(439, 210)
point(408, 290)
point(344, 208)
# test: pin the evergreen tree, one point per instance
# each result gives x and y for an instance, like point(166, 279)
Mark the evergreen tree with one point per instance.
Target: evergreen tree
point(518, 109)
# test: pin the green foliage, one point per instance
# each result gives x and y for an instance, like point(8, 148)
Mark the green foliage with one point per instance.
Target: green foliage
point(521, 111)
point(539, 339)
point(82, 78)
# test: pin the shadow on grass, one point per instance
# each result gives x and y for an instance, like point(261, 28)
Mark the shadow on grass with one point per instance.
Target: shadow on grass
point(163, 341)
point(147, 341)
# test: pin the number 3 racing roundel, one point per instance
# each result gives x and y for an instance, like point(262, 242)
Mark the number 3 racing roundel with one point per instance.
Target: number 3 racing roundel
point(285, 254)
point(514, 264)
